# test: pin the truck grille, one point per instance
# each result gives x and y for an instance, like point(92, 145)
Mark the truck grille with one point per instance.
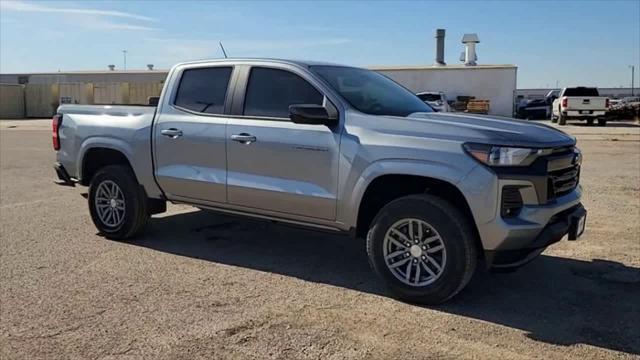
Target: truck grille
point(563, 168)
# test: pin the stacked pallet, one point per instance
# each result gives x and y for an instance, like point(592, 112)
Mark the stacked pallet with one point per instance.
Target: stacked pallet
point(478, 106)
point(461, 103)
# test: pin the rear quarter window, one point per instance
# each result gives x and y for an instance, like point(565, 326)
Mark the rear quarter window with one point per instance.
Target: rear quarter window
point(204, 89)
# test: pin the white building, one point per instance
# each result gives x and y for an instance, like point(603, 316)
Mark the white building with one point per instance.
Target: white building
point(496, 83)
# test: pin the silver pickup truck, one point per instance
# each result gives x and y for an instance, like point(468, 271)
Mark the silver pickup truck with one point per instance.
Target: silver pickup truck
point(334, 148)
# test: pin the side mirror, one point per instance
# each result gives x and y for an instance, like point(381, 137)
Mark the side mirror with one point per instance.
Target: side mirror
point(310, 114)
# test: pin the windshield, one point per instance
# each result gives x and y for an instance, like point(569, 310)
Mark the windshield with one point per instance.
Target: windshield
point(371, 92)
point(429, 97)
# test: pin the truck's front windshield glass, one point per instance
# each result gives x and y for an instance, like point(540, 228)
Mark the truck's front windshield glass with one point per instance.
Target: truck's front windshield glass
point(371, 92)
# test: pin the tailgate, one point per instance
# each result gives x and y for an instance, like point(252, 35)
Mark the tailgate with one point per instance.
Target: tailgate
point(586, 103)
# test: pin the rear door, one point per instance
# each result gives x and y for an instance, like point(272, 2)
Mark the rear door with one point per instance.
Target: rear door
point(190, 135)
point(275, 165)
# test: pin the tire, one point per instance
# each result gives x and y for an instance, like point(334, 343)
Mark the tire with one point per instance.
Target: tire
point(456, 240)
point(115, 220)
point(602, 122)
point(589, 122)
point(562, 120)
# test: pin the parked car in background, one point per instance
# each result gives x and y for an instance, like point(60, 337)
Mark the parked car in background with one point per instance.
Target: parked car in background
point(534, 109)
point(332, 148)
point(614, 103)
point(436, 99)
point(580, 103)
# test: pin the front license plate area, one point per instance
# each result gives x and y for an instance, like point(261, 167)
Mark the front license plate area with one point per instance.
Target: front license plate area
point(577, 226)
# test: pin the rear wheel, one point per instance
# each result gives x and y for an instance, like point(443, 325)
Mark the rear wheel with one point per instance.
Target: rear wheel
point(602, 122)
point(562, 120)
point(589, 122)
point(423, 248)
point(117, 203)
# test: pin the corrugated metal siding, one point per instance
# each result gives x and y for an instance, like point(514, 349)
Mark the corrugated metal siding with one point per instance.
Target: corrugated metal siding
point(11, 101)
point(41, 99)
point(139, 93)
point(108, 93)
point(76, 93)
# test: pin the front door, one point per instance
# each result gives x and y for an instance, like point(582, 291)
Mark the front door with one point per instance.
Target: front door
point(274, 164)
point(190, 136)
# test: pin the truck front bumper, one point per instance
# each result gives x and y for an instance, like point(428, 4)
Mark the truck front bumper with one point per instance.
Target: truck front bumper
point(517, 250)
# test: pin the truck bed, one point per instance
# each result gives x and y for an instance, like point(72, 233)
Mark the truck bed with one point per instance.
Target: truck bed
point(119, 127)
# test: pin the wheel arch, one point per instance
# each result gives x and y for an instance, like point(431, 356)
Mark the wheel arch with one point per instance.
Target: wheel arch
point(97, 153)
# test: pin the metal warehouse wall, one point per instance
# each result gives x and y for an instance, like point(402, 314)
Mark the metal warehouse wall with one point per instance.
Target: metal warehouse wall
point(87, 77)
point(41, 100)
point(11, 101)
point(495, 83)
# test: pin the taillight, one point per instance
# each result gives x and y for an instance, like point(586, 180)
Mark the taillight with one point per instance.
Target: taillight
point(606, 103)
point(56, 122)
point(564, 102)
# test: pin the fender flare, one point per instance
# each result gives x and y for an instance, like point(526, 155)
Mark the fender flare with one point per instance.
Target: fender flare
point(423, 168)
point(105, 143)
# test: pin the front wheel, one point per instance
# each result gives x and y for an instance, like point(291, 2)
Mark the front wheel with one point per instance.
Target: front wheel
point(423, 248)
point(602, 122)
point(117, 203)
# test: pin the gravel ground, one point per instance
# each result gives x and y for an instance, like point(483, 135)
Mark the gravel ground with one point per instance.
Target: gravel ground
point(200, 285)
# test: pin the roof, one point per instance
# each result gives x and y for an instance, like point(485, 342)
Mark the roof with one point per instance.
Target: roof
point(275, 60)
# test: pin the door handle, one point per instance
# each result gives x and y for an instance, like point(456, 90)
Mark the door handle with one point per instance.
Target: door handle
point(244, 138)
point(172, 133)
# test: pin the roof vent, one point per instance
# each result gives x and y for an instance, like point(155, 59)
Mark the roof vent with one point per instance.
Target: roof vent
point(469, 56)
point(111, 67)
point(150, 66)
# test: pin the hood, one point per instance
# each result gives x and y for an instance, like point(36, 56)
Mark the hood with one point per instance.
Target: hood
point(483, 129)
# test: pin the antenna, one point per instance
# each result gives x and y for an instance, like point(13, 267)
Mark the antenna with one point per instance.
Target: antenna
point(222, 47)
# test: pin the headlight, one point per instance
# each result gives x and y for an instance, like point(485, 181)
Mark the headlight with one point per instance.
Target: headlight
point(503, 155)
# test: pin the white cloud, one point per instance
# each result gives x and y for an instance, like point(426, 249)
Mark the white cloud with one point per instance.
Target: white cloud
point(33, 7)
point(96, 23)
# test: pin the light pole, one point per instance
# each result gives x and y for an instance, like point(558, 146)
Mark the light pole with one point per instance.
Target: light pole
point(124, 53)
point(633, 76)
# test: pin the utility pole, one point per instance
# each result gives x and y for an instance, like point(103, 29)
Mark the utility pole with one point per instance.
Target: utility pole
point(633, 77)
point(124, 53)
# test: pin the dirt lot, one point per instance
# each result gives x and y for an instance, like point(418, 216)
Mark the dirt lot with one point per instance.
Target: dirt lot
point(200, 285)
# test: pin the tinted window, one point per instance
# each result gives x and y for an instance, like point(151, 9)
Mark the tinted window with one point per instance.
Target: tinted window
point(204, 90)
point(271, 91)
point(581, 91)
point(371, 92)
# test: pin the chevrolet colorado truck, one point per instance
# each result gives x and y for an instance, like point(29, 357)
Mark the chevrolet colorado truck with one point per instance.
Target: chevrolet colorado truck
point(581, 103)
point(333, 148)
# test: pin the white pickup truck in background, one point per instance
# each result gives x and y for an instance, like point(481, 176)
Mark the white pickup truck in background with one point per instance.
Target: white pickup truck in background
point(580, 103)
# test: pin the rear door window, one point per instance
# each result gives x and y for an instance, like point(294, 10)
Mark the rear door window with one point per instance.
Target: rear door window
point(271, 91)
point(204, 90)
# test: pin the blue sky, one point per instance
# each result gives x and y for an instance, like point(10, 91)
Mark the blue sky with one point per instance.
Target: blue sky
point(571, 42)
